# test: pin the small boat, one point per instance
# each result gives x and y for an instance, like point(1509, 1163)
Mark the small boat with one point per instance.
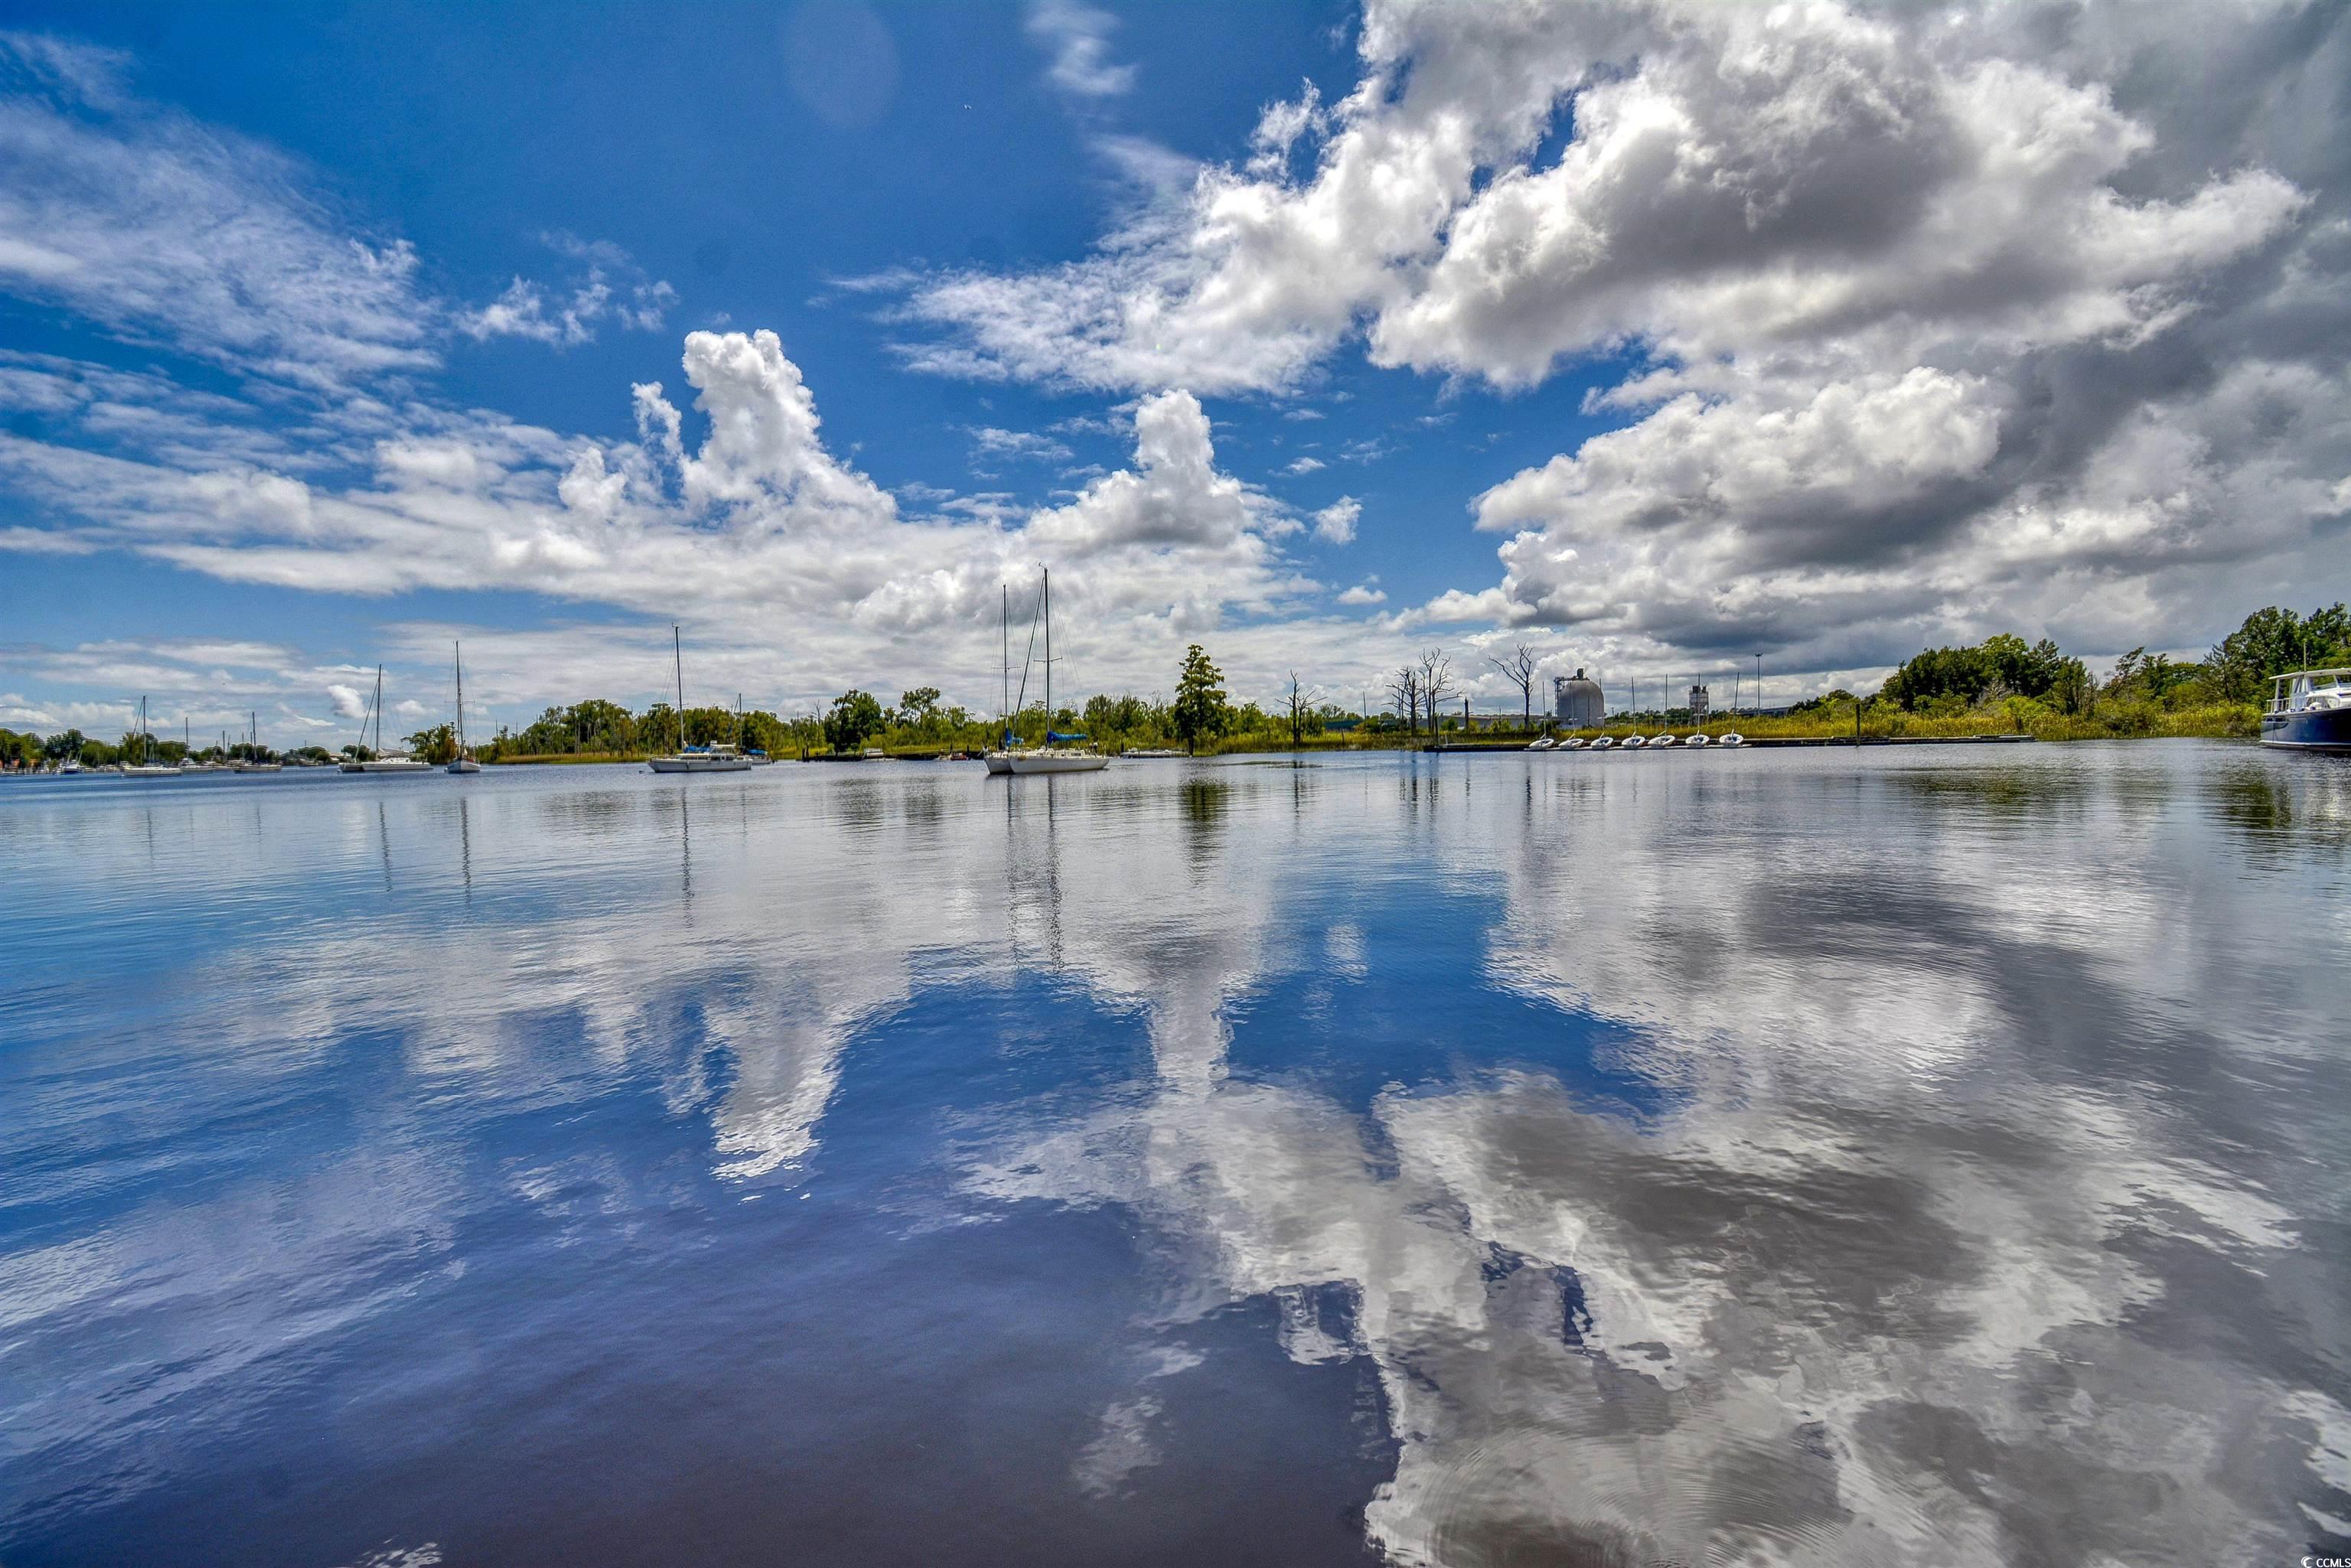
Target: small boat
point(694, 759)
point(1662, 740)
point(1573, 743)
point(463, 762)
point(70, 765)
point(1695, 740)
point(757, 757)
point(1603, 744)
point(1730, 738)
point(1630, 742)
point(2309, 710)
point(1542, 743)
point(1154, 752)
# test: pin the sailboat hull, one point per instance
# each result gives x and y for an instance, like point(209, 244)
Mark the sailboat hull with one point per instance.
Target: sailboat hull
point(700, 764)
point(464, 765)
point(999, 762)
point(1024, 763)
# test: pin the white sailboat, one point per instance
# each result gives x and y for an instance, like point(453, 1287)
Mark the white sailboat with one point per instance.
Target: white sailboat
point(719, 758)
point(383, 763)
point(1055, 756)
point(463, 762)
point(147, 766)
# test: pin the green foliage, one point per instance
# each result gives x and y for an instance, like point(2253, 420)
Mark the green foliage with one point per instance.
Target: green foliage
point(1947, 681)
point(2273, 640)
point(437, 744)
point(915, 708)
point(1199, 712)
point(854, 718)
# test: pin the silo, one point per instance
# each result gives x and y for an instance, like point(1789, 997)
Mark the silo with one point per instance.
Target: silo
point(1576, 702)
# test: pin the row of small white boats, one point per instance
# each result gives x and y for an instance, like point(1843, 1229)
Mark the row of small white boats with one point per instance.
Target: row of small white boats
point(1637, 742)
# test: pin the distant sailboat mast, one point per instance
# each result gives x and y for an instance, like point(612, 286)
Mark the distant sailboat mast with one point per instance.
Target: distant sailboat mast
point(677, 653)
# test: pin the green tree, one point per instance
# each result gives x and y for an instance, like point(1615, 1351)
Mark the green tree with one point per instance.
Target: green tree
point(437, 744)
point(855, 716)
point(1199, 712)
point(65, 745)
point(2273, 640)
point(916, 707)
point(709, 726)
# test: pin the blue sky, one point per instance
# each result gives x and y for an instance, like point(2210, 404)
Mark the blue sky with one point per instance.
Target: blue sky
point(1266, 327)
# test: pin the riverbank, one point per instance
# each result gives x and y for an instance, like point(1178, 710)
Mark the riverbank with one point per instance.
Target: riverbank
point(1833, 723)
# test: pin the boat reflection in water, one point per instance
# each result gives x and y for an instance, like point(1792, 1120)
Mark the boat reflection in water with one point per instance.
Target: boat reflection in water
point(1905, 1158)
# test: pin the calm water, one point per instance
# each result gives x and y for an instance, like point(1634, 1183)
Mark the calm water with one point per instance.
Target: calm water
point(1927, 1157)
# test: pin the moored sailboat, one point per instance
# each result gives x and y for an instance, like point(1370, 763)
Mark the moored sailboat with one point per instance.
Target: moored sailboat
point(252, 762)
point(380, 762)
point(721, 758)
point(147, 766)
point(463, 761)
point(1060, 753)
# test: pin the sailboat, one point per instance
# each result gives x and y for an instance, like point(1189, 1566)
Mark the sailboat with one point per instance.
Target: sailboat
point(147, 766)
point(1056, 755)
point(720, 758)
point(463, 762)
point(383, 763)
point(253, 763)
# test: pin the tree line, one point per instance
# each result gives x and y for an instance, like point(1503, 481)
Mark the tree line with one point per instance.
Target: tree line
point(2026, 684)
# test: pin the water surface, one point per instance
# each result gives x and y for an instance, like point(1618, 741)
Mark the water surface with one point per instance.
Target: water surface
point(1926, 1157)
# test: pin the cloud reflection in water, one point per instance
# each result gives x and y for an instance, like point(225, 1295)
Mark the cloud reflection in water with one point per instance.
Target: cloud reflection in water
point(1710, 1159)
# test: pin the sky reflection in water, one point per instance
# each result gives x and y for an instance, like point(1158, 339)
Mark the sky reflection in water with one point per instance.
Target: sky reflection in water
point(1934, 1158)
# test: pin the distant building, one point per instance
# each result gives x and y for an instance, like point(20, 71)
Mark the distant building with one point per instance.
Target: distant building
point(1699, 705)
point(1576, 702)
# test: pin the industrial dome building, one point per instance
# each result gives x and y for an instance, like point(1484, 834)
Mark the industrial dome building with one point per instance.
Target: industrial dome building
point(1576, 702)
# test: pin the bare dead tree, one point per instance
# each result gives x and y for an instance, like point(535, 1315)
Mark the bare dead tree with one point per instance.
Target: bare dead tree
point(1520, 667)
point(1404, 689)
point(1300, 701)
point(1436, 673)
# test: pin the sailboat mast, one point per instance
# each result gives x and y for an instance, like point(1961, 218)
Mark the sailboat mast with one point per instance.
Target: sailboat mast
point(457, 653)
point(1049, 654)
point(1004, 628)
point(677, 651)
point(379, 710)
